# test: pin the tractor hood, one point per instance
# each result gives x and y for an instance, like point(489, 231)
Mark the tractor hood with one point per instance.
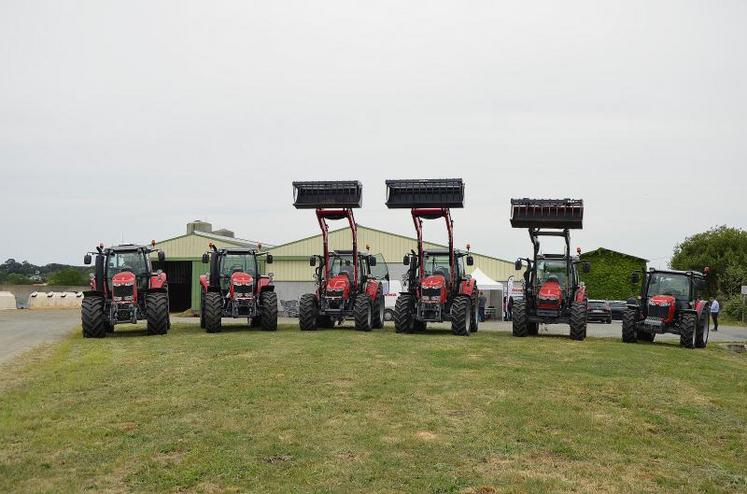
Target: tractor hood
point(123, 278)
point(339, 285)
point(241, 279)
point(241, 285)
point(663, 307)
point(433, 288)
point(434, 281)
point(550, 294)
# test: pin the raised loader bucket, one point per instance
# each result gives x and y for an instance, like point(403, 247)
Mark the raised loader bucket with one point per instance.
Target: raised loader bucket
point(327, 194)
point(547, 213)
point(425, 193)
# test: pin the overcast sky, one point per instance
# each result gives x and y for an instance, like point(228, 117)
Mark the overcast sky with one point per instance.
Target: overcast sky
point(124, 120)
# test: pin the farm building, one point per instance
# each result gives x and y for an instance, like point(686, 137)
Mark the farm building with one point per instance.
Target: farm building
point(291, 271)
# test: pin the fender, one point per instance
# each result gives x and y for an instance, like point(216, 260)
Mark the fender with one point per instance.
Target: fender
point(580, 295)
point(92, 293)
point(157, 281)
point(204, 282)
point(700, 305)
point(372, 289)
point(467, 287)
point(265, 284)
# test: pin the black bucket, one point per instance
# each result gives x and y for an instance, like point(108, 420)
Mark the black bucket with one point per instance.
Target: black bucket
point(327, 194)
point(425, 193)
point(547, 213)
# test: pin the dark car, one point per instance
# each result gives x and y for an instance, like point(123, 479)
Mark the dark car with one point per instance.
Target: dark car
point(599, 310)
point(618, 309)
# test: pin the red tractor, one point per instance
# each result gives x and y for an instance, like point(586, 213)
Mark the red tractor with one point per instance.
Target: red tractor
point(125, 289)
point(435, 287)
point(347, 287)
point(670, 303)
point(552, 290)
point(234, 287)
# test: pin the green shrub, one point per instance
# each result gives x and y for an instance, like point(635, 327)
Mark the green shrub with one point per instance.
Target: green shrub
point(69, 277)
point(733, 307)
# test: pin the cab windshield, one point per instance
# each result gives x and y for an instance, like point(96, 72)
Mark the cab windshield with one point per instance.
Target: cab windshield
point(133, 262)
point(437, 264)
point(676, 285)
point(341, 265)
point(552, 270)
point(234, 263)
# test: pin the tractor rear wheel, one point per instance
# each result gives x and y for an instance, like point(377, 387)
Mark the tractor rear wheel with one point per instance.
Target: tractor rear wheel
point(475, 321)
point(92, 317)
point(157, 313)
point(629, 332)
point(308, 311)
point(520, 326)
point(578, 321)
point(378, 312)
point(461, 315)
point(704, 328)
point(363, 310)
point(202, 311)
point(268, 310)
point(688, 325)
point(213, 312)
point(404, 316)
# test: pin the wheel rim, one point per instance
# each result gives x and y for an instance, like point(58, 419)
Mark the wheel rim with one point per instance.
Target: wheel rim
point(381, 311)
point(370, 315)
point(468, 320)
point(706, 330)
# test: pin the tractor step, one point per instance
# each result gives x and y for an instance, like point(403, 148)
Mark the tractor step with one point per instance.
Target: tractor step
point(425, 193)
point(547, 213)
point(327, 194)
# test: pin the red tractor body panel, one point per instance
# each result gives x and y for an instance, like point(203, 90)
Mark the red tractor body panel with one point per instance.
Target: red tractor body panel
point(550, 295)
point(265, 283)
point(158, 281)
point(204, 283)
point(434, 282)
point(580, 294)
point(127, 281)
point(339, 283)
point(467, 287)
point(667, 305)
point(372, 289)
point(240, 280)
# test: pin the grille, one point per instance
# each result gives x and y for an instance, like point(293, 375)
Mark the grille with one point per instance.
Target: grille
point(431, 292)
point(662, 312)
point(242, 290)
point(122, 291)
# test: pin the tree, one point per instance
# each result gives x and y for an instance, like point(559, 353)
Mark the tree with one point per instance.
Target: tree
point(722, 249)
point(68, 276)
point(18, 279)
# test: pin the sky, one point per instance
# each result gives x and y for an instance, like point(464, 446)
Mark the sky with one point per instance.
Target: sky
point(125, 120)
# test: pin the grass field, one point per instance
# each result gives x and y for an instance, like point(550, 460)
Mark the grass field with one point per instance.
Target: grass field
point(342, 411)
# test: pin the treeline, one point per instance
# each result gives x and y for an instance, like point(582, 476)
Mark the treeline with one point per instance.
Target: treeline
point(13, 272)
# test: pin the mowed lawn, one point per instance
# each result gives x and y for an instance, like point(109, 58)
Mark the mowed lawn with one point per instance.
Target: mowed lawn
point(343, 411)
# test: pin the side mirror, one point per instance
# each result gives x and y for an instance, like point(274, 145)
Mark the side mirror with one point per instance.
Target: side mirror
point(470, 260)
point(87, 259)
point(518, 264)
point(312, 261)
point(406, 260)
point(205, 258)
point(372, 261)
point(635, 277)
point(161, 256)
point(586, 267)
point(269, 259)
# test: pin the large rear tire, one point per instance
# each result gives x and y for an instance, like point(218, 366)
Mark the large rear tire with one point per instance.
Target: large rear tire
point(461, 315)
point(475, 321)
point(378, 312)
point(202, 310)
point(688, 325)
point(629, 332)
point(157, 313)
point(268, 310)
point(404, 313)
point(93, 318)
point(308, 311)
point(578, 321)
point(213, 312)
point(704, 328)
point(519, 324)
point(363, 310)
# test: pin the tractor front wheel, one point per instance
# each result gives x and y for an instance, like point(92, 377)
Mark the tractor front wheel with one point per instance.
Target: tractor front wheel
point(475, 321)
point(268, 310)
point(404, 317)
point(157, 313)
point(93, 318)
point(578, 321)
point(629, 333)
point(378, 312)
point(688, 325)
point(704, 328)
point(363, 310)
point(520, 326)
point(308, 311)
point(461, 315)
point(213, 312)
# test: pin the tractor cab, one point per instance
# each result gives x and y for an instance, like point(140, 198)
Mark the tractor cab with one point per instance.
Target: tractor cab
point(127, 265)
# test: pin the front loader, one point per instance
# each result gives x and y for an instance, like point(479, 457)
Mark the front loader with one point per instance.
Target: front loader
point(125, 289)
point(435, 287)
point(346, 286)
point(552, 291)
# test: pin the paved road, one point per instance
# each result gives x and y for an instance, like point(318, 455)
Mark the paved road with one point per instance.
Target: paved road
point(21, 330)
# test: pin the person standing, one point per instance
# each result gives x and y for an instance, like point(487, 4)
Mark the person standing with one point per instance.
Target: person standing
point(482, 300)
point(510, 307)
point(715, 309)
point(505, 309)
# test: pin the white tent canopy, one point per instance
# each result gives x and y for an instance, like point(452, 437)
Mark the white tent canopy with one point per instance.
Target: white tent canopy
point(485, 282)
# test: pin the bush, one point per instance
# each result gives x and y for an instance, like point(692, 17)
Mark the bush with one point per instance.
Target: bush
point(18, 279)
point(733, 307)
point(69, 277)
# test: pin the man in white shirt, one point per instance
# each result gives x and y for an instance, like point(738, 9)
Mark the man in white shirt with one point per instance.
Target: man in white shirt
point(715, 308)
